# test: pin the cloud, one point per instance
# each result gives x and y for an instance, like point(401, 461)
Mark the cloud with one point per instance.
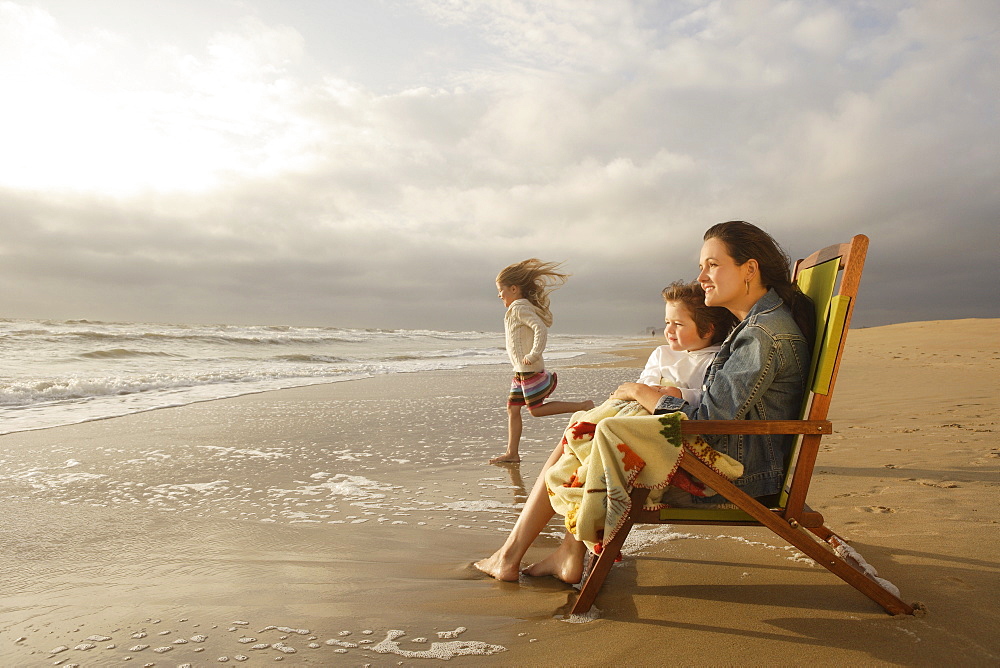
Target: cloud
point(247, 172)
point(86, 119)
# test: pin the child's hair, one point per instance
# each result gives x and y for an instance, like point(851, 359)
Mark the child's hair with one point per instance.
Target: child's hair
point(716, 319)
point(536, 279)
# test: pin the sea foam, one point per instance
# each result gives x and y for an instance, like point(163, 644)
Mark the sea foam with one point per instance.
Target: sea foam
point(75, 371)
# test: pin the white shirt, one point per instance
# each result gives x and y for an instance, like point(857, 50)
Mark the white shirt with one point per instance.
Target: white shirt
point(684, 370)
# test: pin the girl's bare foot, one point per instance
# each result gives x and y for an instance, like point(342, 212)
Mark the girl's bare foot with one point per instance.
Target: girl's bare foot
point(505, 458)
point(565, 564)
point(498, 567)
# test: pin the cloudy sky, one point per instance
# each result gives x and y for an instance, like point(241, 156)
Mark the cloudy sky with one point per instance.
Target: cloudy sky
point(374, 163)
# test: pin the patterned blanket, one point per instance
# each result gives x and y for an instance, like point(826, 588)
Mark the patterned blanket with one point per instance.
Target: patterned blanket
point(614, 447)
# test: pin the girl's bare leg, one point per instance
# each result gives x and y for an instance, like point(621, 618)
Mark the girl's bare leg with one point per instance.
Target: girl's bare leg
point(565, 564)
point(514, 427)
point(556, 407)
point(505, 563)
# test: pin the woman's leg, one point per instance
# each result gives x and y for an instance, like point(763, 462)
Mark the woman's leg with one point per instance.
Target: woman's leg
point(514, 428)
point(505, 563)
point(565, 564)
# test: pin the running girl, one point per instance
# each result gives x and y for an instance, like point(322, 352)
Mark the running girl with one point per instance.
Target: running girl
point(524, 289)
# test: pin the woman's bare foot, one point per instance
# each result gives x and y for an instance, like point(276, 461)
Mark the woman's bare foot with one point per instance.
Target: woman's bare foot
point(496, 566)
point(565, 564)
point(505, 458)
point(588, 404)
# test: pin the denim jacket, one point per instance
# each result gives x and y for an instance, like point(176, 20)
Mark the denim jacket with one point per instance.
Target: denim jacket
point(759, 374)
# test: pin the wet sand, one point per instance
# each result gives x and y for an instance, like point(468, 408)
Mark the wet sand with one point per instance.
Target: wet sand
point(336, 525)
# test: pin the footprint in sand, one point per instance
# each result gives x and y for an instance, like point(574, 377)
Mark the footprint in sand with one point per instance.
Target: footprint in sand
point(877, 509)
point(957, 582)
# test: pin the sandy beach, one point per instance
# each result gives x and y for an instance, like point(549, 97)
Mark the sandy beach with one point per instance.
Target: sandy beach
point(336, 525)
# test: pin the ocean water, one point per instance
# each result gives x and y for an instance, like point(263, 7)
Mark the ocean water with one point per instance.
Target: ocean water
point(65, 372)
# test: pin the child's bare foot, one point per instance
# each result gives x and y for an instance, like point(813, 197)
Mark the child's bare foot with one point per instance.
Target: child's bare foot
point(505, 458)
point(565, 564)
point(498, 567)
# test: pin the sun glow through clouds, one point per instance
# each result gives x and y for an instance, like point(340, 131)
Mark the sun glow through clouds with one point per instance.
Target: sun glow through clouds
point(91, 118)
point(297, 161)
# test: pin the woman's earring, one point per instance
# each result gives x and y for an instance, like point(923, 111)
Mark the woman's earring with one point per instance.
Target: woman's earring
point(748, 286)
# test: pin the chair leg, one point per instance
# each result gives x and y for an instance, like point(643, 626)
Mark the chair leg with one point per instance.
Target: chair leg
point(850, 556)
point(595, 578)
point(852, 575)
point(799, 538)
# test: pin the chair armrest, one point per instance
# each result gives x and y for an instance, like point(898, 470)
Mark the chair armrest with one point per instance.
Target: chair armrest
point(756, 427)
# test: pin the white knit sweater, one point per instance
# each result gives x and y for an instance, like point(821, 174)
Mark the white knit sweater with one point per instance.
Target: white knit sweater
point(526, 336)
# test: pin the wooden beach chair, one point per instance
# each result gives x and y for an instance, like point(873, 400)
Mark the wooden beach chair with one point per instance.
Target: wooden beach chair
point(788, 516)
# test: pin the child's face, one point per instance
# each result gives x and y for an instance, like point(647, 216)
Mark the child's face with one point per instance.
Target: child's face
point(680, 330)
point(508, 293)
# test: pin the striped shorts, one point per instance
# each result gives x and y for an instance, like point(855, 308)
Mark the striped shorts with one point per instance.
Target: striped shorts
point(531, 388)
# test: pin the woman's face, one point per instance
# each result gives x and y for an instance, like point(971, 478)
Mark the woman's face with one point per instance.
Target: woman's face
point(720, 276)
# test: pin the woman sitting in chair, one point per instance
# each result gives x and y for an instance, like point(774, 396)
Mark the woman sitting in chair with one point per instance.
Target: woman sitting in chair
point(760, 372)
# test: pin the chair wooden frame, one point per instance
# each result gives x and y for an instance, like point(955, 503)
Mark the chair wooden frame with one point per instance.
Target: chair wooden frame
point(791, 518)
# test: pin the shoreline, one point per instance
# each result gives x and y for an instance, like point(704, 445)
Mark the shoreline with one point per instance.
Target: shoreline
point(353, 507)
point(586, 355)
point(628, 357)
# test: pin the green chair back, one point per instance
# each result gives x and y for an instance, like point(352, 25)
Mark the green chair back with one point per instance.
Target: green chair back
point(819, 283)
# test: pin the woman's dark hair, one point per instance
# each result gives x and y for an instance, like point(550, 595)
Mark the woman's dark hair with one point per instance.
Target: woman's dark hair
point(715, 319)
point(746, 241)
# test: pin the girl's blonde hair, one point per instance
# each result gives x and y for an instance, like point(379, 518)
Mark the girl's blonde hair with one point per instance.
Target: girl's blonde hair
point(536, 279)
